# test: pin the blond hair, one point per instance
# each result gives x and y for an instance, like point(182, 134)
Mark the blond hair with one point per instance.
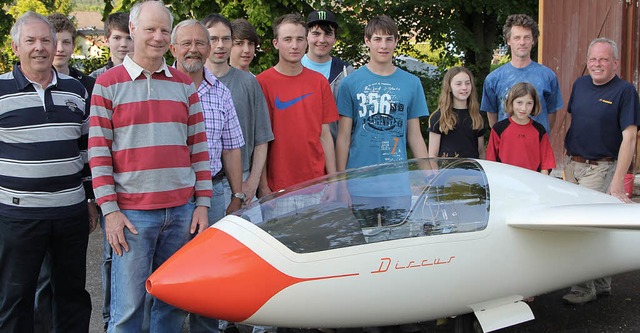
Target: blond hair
point(448, 118)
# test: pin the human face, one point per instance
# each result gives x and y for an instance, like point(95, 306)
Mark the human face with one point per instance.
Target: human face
point(191, 48)
point(522, 107)
point(601, 63)
point(381, 47)
point(120, 44)
point(320, 44)
point(35, 48)
point(521, 42)
point(461, 88)
point(64, 50)
point(220, 39)
point(242, 53)
point(152, 36)
point(291, 42)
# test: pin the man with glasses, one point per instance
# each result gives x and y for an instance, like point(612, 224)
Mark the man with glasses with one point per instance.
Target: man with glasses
point(190, 46)
point(249, 102)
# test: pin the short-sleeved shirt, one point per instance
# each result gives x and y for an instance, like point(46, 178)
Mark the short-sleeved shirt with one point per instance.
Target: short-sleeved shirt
point(462, 140)
point(599, 114)
point(499, 82)
point(380, 107)
point(252, 111)
point(298, 106)
point(323, 68)
point(526, 146)
point(220, 119)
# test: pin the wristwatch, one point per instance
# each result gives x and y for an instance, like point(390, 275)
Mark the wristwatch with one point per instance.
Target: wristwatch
point(240, 196)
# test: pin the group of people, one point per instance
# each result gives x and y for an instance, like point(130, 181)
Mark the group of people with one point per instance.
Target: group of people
point(157, 152)
point(521, 99)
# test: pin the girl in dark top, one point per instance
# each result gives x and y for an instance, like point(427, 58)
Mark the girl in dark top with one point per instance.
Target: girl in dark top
point(456, 129)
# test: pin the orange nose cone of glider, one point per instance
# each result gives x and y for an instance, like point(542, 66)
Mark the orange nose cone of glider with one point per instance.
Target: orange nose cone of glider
point(217, 276)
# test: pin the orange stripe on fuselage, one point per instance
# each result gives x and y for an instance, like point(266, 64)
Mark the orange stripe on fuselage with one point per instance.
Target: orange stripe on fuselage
point(217, 276)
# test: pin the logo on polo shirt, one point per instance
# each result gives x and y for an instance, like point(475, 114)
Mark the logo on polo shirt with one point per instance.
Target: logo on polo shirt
point(72, 105)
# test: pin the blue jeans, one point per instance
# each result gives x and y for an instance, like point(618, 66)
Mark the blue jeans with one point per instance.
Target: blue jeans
point(161, 233)
point(218, 207)
point(105, 272)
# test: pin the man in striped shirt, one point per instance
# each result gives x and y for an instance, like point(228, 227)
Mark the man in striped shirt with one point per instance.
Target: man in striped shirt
point(149, 159)
point(43, 203)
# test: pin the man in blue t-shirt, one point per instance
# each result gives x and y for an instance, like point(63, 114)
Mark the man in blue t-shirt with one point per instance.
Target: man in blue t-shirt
point(380, 106)
point(521, 33)
point(601, 141)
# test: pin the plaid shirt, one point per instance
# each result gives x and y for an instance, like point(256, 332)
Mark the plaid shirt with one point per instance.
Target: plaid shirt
point(220, 119)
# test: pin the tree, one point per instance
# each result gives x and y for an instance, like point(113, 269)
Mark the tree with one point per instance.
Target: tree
point(465, 29)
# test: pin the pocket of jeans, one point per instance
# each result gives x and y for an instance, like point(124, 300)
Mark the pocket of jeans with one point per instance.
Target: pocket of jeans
point(218, 189)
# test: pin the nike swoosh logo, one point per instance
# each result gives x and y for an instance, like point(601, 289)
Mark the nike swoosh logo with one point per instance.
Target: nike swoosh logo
point(281, 105)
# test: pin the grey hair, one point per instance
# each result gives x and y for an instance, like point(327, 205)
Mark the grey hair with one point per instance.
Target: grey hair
point(136, 10)
point(30, 17)
point(188, 23)
point(605, 40)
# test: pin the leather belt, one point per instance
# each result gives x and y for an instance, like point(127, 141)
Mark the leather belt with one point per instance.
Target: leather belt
point(581, 159)
point(218, 177)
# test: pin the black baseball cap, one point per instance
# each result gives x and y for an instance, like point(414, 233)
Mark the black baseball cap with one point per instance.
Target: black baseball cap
point(322, 15)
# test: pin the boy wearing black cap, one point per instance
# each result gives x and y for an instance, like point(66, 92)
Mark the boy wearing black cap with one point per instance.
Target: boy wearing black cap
point(321, 36)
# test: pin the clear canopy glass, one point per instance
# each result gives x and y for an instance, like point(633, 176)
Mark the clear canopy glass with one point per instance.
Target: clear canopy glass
point(415, 198)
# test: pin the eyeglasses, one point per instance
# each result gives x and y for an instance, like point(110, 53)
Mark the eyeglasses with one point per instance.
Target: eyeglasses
point(216, 39)
point(200, 44)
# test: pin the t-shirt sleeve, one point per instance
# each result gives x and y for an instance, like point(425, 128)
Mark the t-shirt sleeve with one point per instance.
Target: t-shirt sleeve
point(263, 132)
point(547, 160)
point(344, 99)
point(489, 97)
point(493, 147)
point(434, 122)
point(554, 100)
point(329, 109)
point(629, 108)
point(418, 106)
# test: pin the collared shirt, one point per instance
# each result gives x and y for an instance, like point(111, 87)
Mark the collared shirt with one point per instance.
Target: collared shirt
point(148, 147)
point(220, 119)
point(40, 89)
point(134, 70)
point(43, 147)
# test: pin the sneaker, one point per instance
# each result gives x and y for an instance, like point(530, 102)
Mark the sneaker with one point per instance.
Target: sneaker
point(577, 297)
point(603, 292)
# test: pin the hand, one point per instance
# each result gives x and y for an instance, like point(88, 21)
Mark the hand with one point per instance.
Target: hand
point(94, 217)
point(199, 219)
point(263, 191)
point(234, 205)
point(249, 190)
point(115, 223)
point(618, 192)
point(330, 193)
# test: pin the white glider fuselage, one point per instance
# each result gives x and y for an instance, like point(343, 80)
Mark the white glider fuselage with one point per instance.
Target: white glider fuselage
point(427, 277)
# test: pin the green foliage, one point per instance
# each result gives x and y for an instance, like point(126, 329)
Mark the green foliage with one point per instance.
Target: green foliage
point(88, 65)
point(7, 58)
point(23, 6)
